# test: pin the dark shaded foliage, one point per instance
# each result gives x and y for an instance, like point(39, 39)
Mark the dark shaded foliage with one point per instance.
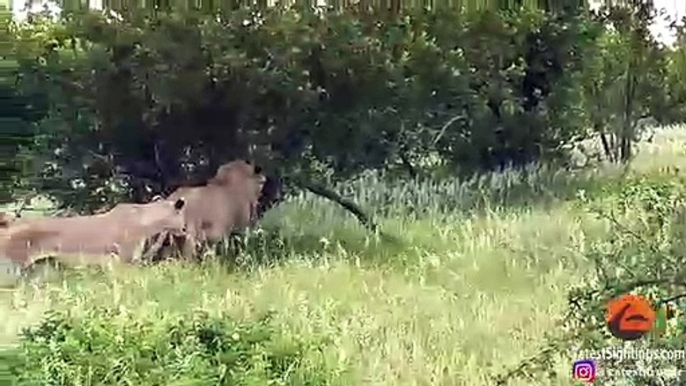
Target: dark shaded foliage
point(141, 105)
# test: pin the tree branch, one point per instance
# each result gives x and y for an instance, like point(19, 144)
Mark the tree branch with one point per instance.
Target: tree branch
point(348, 205)
point(445, 127)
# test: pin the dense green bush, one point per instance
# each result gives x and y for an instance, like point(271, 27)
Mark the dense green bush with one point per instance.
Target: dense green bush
point(18, 113)
point(140, 102)
point(107, 347)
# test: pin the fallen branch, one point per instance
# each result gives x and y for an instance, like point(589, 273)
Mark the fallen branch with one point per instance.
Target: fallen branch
point(348, 205)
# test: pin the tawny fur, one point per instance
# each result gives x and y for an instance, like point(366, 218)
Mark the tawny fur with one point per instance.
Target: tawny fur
point(117, 232)
point(227, 203)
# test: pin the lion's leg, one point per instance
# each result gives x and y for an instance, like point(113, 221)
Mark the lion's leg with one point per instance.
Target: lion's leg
point(189, 245)
point(40, 268)
point(127, 252)
point(155, 251)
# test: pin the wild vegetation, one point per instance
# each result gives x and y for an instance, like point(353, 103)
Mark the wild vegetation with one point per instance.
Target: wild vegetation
point(503, 153)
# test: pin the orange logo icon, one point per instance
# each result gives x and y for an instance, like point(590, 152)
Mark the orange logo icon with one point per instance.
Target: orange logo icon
point(629, 317)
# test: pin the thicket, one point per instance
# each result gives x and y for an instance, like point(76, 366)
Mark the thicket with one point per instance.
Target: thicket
point(132, 104)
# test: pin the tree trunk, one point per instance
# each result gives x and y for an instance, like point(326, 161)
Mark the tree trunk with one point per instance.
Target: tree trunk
point(607, 147)
point(628, 126)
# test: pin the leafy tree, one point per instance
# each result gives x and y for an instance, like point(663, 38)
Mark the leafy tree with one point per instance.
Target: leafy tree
point(675, 83)
point(17, 116)
point(624, 81)
point(142, 102)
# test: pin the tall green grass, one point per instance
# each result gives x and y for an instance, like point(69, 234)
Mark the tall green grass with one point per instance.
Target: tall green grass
point(477, 271)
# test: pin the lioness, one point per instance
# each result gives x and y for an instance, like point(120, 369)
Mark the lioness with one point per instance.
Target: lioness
point(119, 231)
point(228, 202)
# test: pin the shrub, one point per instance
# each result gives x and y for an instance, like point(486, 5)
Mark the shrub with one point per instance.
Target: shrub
point(107, 346)
point(140, 102)
point(645, 254)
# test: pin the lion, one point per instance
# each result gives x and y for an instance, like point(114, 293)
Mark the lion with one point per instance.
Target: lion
point(119, 232)
point(227, 203)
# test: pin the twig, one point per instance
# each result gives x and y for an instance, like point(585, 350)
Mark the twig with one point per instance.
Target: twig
point(445, 127)
point(673, 298)
point(642, 283)
point(631, 232)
